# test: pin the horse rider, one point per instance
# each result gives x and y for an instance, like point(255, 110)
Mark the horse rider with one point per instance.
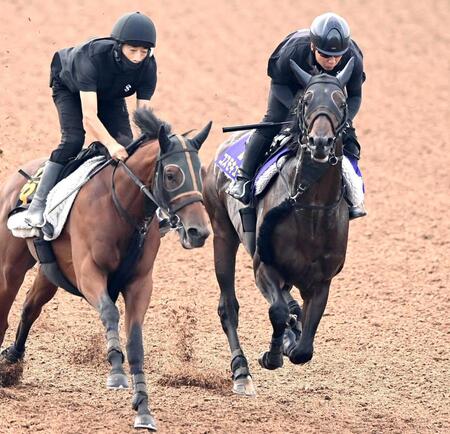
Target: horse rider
point(325, 47)
point(89, 84)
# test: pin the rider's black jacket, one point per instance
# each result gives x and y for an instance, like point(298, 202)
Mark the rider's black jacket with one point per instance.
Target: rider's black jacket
point(99, 66)
point(297, 46)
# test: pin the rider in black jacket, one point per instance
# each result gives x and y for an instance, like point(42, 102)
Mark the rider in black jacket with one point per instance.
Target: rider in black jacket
point(89, 84)
point(325, 47)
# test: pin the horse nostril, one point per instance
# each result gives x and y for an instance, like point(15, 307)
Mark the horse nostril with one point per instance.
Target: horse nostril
point(323, 142)
point(193, 232)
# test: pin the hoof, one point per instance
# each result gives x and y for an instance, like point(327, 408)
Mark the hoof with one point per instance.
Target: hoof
point(117, 381)
point(145, 421)
point(271, 361)
point(244, 386)
point(11, 355)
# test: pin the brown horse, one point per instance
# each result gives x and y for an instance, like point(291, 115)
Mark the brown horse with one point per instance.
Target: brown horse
point(95, 240)
point(301, 228)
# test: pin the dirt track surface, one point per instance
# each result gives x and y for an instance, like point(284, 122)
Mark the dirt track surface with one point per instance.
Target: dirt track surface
point(382, 349)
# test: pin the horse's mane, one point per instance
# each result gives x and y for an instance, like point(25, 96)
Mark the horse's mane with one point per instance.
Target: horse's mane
point(149, 123)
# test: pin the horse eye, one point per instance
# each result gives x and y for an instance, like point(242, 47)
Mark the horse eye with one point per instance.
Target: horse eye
point(173, 177)
point(308, 97)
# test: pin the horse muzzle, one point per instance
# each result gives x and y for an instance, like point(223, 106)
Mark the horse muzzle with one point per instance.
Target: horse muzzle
point(193, 237)
point(320, 148)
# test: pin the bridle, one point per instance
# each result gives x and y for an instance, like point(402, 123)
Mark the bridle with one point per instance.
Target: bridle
point(312, 171)
point(337, 119)
point(179, 201)
point(154, 197)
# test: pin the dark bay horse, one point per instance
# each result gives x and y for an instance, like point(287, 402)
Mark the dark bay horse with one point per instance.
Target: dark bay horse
point(301, 229)
point(95, 240)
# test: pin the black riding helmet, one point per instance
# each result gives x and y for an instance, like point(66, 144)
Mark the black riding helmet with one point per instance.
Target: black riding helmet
point(330, 34)
point(135, 29)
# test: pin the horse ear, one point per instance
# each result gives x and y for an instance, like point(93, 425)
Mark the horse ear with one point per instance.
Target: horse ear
point(302, 76)
point(163, 138)
point(198, 140)
point(346, 73)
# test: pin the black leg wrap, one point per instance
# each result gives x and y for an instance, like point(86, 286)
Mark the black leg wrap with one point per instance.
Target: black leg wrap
point(115, 357)
point(109, 314)
point(113, 347)
point(239, 364)
point(271, 361)
point(140, 396)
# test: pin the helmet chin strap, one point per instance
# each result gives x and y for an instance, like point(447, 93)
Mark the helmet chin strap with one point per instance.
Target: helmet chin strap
point(117, 52)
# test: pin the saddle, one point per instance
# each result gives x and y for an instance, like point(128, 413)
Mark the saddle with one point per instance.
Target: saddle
point(230, 161)
point(95, 149)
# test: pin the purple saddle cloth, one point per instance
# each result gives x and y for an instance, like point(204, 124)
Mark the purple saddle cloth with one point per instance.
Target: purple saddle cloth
point(231, 159)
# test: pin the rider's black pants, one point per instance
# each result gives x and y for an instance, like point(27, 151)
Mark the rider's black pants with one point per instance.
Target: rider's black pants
point(112, 113)
point(261, 139)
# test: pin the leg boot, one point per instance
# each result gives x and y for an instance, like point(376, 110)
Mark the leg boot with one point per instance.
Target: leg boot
point(35, 213)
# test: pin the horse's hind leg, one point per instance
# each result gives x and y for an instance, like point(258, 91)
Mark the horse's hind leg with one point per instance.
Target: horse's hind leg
point(41, 293)
point(15, 261)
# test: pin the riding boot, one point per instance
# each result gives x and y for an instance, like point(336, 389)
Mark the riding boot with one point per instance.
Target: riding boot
point(35, 213)
point(355, 212)
point(255, 149)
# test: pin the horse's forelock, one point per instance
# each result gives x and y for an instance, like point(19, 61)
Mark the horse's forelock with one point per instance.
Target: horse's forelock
point(149, 123)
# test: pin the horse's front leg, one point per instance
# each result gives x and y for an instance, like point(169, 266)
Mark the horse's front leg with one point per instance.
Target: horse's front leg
point(93, 285)
point(226, 244)
point(137, 299)
point(315, 301)
point(271, 285)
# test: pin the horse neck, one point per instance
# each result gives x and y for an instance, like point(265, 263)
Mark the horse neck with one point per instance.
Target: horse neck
point(325, 191)
point(142, 163)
